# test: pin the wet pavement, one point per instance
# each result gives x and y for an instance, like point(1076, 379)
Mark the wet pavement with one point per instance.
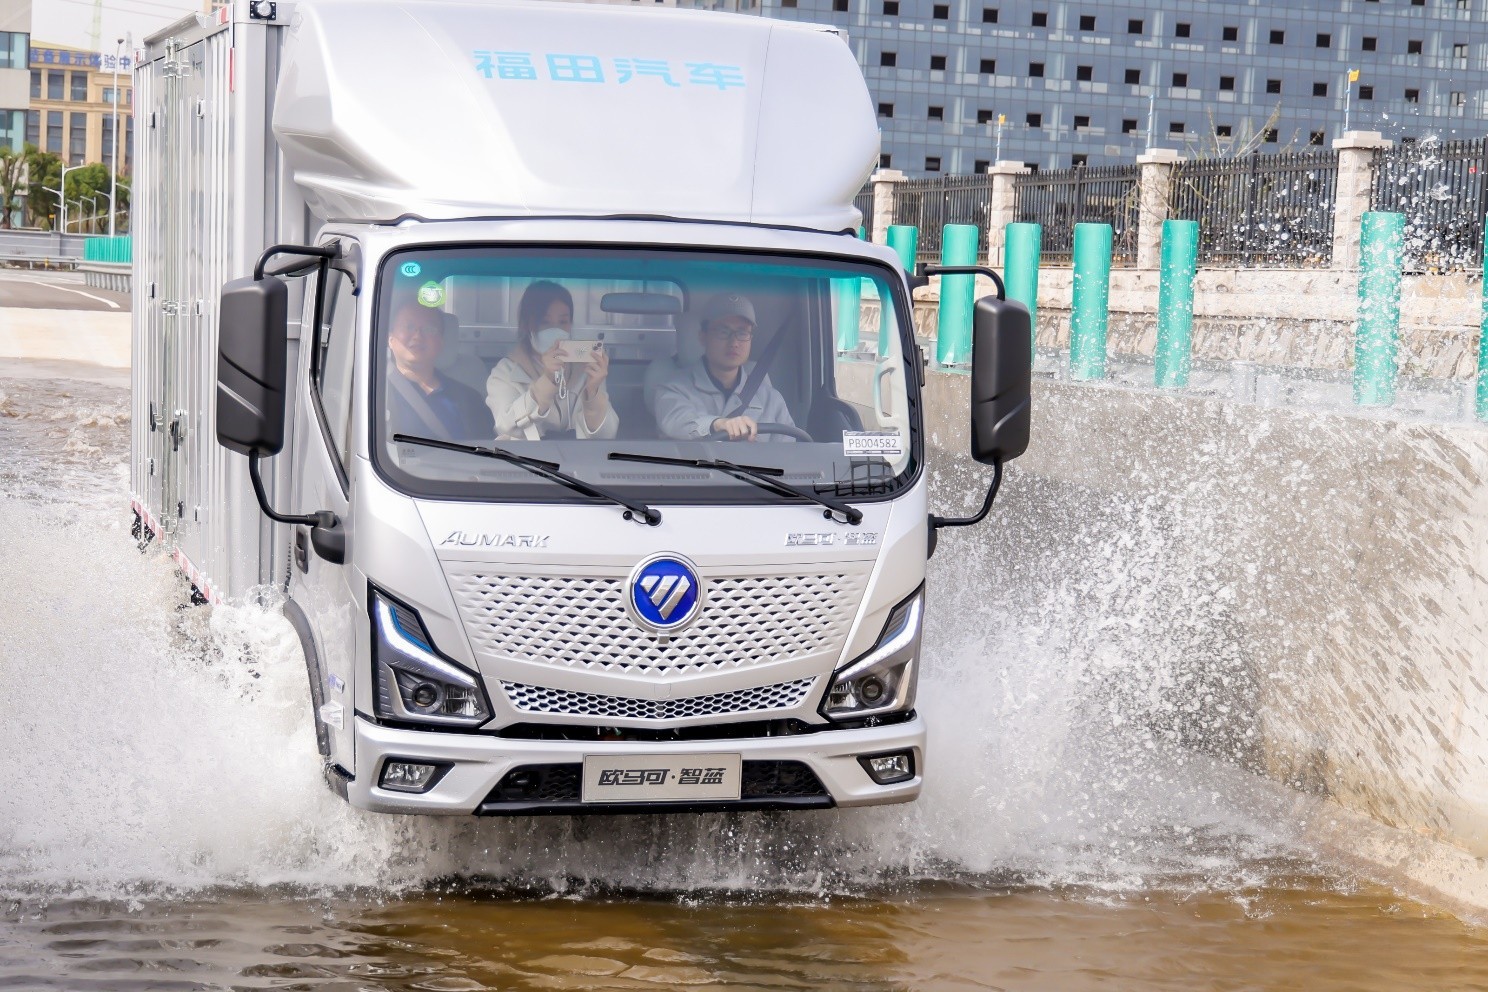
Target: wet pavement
point(163, 825)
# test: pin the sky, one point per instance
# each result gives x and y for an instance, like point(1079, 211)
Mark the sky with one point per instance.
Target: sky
point(68, 22)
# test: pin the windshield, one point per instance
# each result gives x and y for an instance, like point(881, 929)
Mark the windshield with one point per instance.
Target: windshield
point(572, 355)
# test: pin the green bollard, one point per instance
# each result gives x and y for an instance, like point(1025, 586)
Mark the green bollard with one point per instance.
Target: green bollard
point(1092, 297)
point(958, 246)
point(1483, 343)
point(1175, 304)
point(905, 240)
point(1020, 267)
point(1377, 330)
point(847, 297)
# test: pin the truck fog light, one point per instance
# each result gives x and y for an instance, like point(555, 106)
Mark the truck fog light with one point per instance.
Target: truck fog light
point(409, 776)
point(883, 680)
point(425, 695)
point(886, 769)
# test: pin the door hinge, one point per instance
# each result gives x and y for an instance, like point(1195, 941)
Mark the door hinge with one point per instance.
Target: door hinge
point(301, 551)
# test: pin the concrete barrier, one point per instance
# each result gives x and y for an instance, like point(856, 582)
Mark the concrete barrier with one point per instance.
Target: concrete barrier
point(1303, 594)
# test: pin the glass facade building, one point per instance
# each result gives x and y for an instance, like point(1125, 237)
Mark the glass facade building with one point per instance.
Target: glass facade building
point(1096, 82)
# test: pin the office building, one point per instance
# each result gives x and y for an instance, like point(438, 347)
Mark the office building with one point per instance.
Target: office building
point(72, 104)
point(1095, 82)
point(15, 40)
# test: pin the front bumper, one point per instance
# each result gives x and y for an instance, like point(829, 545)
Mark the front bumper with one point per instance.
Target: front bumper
point(478, 764)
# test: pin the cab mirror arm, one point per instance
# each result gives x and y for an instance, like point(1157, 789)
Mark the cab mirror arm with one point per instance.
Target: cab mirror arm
point(327, 535)
point(937, 522)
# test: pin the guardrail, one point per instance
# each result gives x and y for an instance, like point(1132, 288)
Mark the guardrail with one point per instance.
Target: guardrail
point(42, 243)
point(34, 261)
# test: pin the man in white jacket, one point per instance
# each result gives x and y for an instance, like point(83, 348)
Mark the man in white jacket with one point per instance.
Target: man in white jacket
point(702, 398)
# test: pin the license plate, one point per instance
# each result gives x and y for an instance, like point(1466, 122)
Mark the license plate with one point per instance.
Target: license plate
point(653, 778)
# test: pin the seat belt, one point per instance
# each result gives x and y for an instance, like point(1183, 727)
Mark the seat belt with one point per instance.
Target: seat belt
point(421, 408)
point(757, 376)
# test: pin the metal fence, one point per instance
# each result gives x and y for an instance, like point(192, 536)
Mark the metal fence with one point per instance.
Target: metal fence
point(864, 202)
point(1260, 210)
point(931, 204)
point(1439, 187)
point(1060, 200)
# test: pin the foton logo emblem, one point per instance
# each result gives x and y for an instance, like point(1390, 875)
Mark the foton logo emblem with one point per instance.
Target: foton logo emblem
point(471, 539)
point(665, 593)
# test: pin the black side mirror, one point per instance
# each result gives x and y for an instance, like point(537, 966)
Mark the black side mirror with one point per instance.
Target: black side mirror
point(252, 345)
point(1001, 380)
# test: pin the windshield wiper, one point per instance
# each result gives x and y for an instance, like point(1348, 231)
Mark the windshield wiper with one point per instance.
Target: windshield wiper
point(639, 512)
point(757, 475)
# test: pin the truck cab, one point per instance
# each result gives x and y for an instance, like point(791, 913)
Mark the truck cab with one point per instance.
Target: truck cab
point(591, 487)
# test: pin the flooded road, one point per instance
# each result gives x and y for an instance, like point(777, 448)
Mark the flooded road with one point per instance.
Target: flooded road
point(163, 824)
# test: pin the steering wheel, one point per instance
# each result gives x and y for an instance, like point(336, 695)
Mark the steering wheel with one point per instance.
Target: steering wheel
point(769, 428)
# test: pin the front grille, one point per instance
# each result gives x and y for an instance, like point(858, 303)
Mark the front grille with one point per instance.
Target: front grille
point(537, 699)
point(560, 784)
point(582, 622)
point(539, 783)
point(780, 778)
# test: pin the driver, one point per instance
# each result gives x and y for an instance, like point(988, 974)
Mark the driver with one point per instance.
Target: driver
point(703, 398)
point(421, 399)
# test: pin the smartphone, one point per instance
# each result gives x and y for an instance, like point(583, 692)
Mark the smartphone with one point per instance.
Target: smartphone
point(577, 352)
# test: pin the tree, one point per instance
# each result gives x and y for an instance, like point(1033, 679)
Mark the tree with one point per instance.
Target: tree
point(12, 181)
point(43, 169)
point(89, 181)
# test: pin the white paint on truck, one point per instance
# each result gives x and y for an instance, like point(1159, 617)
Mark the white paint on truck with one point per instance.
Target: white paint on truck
point(527, 620)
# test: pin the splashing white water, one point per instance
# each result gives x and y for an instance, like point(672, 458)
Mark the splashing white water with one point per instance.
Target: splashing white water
point(156, 747)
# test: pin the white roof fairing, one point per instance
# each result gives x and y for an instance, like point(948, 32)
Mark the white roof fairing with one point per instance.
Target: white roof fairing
point(545, 108)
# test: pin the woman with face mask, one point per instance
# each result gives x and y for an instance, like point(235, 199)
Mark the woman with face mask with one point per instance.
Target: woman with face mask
point(532, 392)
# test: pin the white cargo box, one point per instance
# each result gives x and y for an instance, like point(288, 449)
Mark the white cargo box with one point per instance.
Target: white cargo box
point(464, 109)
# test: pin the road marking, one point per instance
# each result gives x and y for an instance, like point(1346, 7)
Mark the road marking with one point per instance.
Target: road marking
point(69, 289)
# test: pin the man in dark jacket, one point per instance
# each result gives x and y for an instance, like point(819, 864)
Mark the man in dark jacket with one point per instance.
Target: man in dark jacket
point(421, 400)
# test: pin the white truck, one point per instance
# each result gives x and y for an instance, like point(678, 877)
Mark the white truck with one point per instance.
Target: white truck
point(502, 337)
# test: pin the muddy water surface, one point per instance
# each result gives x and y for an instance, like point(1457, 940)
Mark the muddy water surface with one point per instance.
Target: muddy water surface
point(163, 825)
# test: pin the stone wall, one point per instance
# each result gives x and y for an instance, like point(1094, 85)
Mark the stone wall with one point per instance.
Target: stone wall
point(1299, 318)
point(1303, 594)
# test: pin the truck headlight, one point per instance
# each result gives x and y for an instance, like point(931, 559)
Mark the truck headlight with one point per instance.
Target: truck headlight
point(883, 680)
point(415, 684)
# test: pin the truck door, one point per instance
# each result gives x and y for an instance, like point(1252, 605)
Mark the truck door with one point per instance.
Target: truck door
point(171, 310)
point(323, 413)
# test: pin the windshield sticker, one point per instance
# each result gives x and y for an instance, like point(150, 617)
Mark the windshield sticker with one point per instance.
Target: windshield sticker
point(411, 269)
point(431, 294)
point(872, 443)
point(566, 67)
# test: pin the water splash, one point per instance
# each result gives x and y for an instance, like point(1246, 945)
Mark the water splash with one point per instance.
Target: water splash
point(157, 748)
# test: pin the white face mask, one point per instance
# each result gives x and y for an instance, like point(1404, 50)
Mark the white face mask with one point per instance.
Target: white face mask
point(547, 337)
